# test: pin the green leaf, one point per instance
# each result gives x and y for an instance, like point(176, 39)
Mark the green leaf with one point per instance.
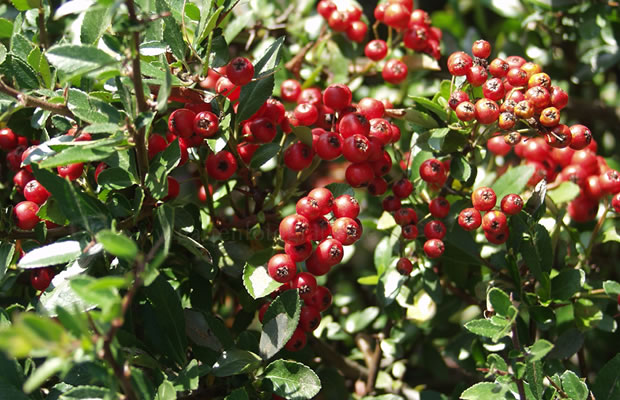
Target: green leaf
point(116, 178)
point(419, 118)
point(205, 25)
point(91, 109)
point(389, 286)
point(2, 51)
point(611, 235)
point(460, 169)
point(567, 344)
point(607, 384)
point(172, 34)
point(257, 281)
point(501, 303)
point(237, 394)
point(279, 323)
point(494, 361)
point(513, 181)
point(486, 391)
point(19, 73)
point(52, 254)
point(164, 89)
point(71, 59)
point(264, 153)
point(431, 106)
point(437, 138)
point(102, 292)
point(45, 371)
point(492, 328)
point(359, 320)
point(538, 350)
point(573, 386)
point(166, 391)
point(95, 22)
point(7, 250)
point(207, 331)
point(161, 165)
point(6, 29)
point(85, 392)
point(291, 379)
point(564, 193)
point(587, 314)
point(567, 283)
point(117, 244)
point(219, 52)
point(235, 362)
point(24, 5)
point(612, 288)
point(304, 134)
point(535, 376)
point(338, 189)
point(166, 301)
point(78, 154)
point(193, 246)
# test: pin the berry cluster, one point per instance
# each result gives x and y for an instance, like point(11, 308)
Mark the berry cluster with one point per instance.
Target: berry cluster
point(414, 24)
point(582, 167)
point(514, 91)
point(299, 231)
point(343, 19)
point(359, 133)
point(494, 222)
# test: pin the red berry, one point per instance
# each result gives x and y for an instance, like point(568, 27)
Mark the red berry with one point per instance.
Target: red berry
point(581, 137)
point(346, 206)
point(433, 248)
point(356, 148)
point(512, 204)
point(226, 88)
point(222, 165)
point(376, 50)
point(391, 203)
point(305, 283)
point(404, 266)
point(295, 229)
point(483, 199)
point(516, 77)
point(21, 179)
point(309, 208)
point(405, 216)
point(582, 209)
point(353, 123)
point(559, 98)
point(494, 221)
point(465, 111)
point(486, 111)
point(610, 181)
point(306, 114)
point(240, 71)
point(346, 230)
point(71, 171)
point(320, 229)
point(497, 237)
point(206, 124)
point(35, 192)
point(394, 71)
point(470, 219)
point(337, 96)
point(416, 37)
point(262, 310)
point(298, 156)
point(299, 252)
point(246, 151)
point(396, 15)
point(477, 75)
point(290, 90)
point(329, 146)
point(410, 232)
point(457, 97)
point(402, 188)
point(515, 61)
point(321, 298)
point(615, 202)
point(371, 108)
point(324, 197)
point(157, 144)
point(381, 129)
point(297, 341)
point(377, 186)
point(181, 122)
point(481, 49)
point(325, 8)
point(434, 229)
point(26, 216)
point(432, 171)
point(493, 89)
point(439, 207)
point(459, 63)
point(40, 278)
point(281, 268)
point(359, 174)
point(309, 318)
point(8, 139)
point(173, 189)
point(498, 68)
point(329, 252)
point(383, 165)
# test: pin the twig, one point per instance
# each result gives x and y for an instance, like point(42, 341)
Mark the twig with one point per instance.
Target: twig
point(139, 136)
point(517, 345)
point(29, 101)
point(43, 40)
point(349, 368)
point(559, 389)
point(373, 368)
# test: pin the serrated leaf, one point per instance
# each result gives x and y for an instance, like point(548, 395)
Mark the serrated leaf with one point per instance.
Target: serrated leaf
point(115, 178)
point(257, 281)
point(486, 391)
point(513, 181)
point(304, 134)
point(85, 392)
point(71, 59)
point(389, 286)
point(612, 288)
point(607, 384)
point(567, 283)
point(338, 189)
point(279, 323)
point(160, 167)
point(501, 302)
point(95, 22)
point(164, 89)
point(538, 350)
point(18, 72)
point(488, 328)
point(431, 106)
point(573, 386)
point(52, 254)
point(386, 221)
point(172, 34)
point(79, 154)
point(166, 391)
point(235, 362)
point(460, 169)
point(207, 25)
point(291, 379)
point(117, 244)
point(419, 118)
point(535, 376)
point(7, 250)
point(359, 320)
